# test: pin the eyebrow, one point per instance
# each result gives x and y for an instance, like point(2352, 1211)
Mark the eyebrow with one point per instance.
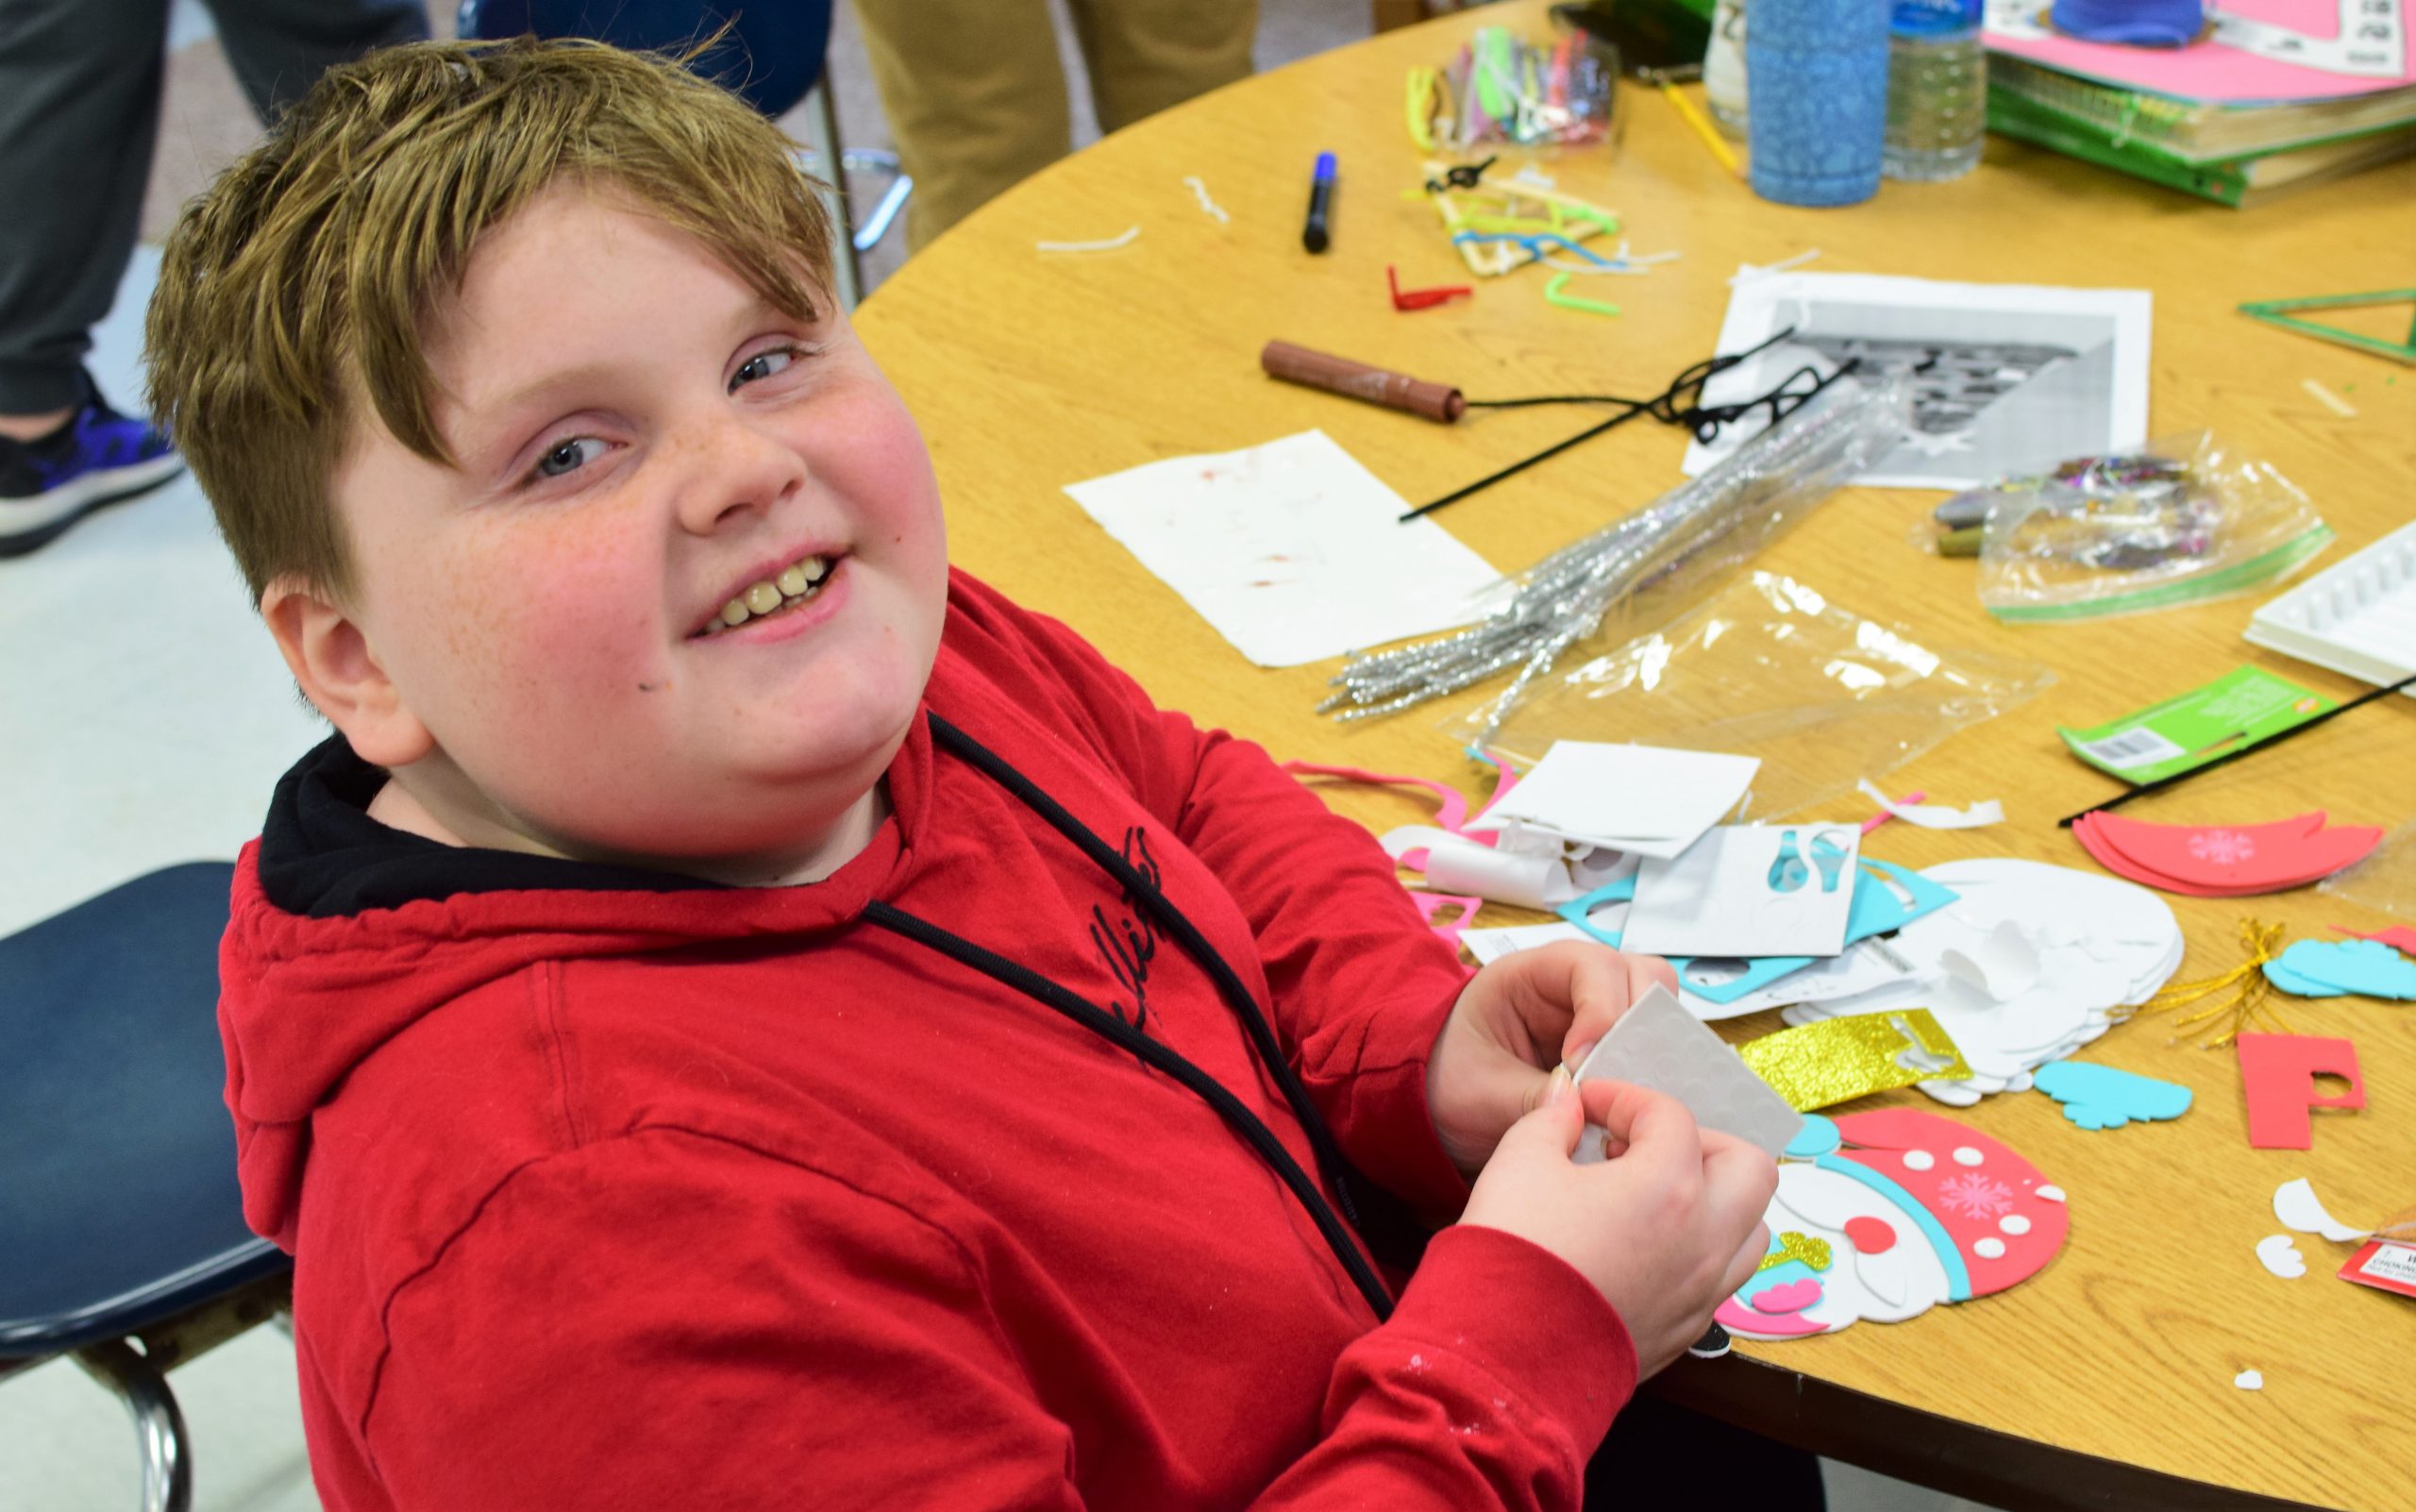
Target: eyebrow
point(553, 389)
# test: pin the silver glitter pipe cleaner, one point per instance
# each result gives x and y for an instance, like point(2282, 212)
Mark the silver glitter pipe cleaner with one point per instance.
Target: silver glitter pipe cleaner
point(1770, 479)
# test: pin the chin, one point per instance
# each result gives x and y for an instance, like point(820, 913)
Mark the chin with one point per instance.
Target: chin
point(833, 739)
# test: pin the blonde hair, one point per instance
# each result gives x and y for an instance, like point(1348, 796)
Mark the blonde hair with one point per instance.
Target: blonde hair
point(306, 277)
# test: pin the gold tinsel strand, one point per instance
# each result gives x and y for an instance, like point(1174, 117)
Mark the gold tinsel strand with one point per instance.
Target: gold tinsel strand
point(2238, 1000)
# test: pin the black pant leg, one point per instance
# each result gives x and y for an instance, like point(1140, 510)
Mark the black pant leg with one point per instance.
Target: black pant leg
point(80, 111)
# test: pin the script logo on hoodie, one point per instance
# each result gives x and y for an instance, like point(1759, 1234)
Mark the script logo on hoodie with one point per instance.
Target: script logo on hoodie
point(1128, 942)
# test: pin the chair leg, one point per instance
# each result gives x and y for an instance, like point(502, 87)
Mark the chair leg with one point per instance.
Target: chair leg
point(877, 224)
point(822, 137)
point(159, 1427)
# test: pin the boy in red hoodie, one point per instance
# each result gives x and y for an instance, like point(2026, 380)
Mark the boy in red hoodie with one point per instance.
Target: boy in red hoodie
point(740, 1016)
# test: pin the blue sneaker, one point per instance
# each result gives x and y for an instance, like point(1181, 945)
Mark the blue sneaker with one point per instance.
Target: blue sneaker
point(99, 457)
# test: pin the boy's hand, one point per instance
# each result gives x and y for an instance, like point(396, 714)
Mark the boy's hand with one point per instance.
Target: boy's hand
point(1664, 1230)
point(1515, 1020)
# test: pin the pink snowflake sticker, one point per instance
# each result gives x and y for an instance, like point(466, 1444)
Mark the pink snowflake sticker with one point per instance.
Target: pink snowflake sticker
point(1974, 1195)
point(2224, 848)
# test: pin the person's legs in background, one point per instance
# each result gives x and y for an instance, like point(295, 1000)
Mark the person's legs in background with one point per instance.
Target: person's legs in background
point(975, 98)
point(1144, 56)
point(278, 48)
point(79, 110)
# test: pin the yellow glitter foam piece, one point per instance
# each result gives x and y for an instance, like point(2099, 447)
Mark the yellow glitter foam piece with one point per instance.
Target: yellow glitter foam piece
point(1794, 1246)
point(1837, 1060)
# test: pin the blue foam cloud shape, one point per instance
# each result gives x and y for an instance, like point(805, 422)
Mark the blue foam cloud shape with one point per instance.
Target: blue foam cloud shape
point(2100, 1096)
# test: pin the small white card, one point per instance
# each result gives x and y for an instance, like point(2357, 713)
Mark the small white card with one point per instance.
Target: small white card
point(1292, 550)
point(1646, 800)
point(1491, 945)
point(1659, 1045)
point(1749, 890)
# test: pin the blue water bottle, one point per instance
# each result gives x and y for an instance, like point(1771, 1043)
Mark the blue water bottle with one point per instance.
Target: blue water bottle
point(1818, 113)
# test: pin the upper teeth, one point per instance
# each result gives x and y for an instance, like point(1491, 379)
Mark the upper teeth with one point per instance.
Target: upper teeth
point(795, 582)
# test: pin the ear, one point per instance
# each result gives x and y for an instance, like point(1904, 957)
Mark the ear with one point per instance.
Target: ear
point(332, 657)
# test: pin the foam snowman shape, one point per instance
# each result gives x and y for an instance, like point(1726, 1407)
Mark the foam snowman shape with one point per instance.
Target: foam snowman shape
point(1885, 1216)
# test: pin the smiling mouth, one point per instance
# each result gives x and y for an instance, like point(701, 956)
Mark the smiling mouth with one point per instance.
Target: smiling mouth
point(791, 586)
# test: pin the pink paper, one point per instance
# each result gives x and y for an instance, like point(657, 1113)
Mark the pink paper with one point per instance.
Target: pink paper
point(2210, 69)
point(1450, 811)
point(2277, 1073)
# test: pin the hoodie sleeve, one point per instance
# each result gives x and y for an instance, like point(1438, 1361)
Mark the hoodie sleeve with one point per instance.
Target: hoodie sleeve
point(672, 1319)
point(1360, 984)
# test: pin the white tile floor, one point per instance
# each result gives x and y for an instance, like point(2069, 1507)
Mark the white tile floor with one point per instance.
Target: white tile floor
point(147, 717)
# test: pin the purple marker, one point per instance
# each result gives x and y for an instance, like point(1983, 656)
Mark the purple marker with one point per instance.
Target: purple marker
point(1313, 236)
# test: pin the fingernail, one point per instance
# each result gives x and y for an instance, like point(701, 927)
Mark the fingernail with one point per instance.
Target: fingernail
point(1562, 1083)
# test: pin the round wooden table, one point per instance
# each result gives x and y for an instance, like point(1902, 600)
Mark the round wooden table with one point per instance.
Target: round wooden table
point(2108, 1381)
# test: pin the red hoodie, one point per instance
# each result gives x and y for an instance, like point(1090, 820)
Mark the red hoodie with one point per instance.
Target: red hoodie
point(610, 1189)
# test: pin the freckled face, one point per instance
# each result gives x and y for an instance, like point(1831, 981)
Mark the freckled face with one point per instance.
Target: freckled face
point(642, 440)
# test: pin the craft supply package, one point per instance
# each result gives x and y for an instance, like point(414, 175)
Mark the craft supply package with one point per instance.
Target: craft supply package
point(2184, 520)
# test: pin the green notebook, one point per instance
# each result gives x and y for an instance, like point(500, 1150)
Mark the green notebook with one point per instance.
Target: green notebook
point(2200, 131)
point(2241, 181)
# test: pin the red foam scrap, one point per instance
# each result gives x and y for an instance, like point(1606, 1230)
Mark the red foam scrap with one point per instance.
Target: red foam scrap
point(2225, 861)
point(2278, 1074)
point(2239, 858)
point(2399, 937)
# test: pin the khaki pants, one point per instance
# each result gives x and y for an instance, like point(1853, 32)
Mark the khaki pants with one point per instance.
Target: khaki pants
point(976, 98)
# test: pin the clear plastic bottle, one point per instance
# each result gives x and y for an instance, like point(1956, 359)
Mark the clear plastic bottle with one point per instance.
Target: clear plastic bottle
point(1938, 90)
point(1723, 70)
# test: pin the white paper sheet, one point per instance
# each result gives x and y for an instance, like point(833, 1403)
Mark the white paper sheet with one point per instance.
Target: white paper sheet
point(1645, 800)
point(2028, 375)
point(1657, 1045)
point(1749, 890)
point(1292, 550)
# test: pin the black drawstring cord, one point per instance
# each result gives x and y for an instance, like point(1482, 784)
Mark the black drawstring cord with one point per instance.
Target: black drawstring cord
point(1100, 1021)
point(1665, 407)
point(1236, 995)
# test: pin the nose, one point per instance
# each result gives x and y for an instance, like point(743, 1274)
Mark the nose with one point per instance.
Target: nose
point(729, 468)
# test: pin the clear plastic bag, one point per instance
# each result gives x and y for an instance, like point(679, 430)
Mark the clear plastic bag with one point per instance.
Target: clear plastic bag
point(1502, 92)
point(2183, 521)
point(1769, 668)
point(2386, 880)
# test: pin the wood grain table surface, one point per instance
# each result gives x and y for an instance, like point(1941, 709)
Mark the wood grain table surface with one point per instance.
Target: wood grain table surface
point(2107, 1381)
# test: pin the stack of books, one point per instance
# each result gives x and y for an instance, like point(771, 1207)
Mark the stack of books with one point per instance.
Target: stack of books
point(2213, 119)
point(2238, 155)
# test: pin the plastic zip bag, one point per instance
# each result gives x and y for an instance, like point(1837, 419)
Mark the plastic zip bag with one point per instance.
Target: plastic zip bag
point(2386, 880)
point(1501, 90)
point(2184, 521)
point(1769, 668)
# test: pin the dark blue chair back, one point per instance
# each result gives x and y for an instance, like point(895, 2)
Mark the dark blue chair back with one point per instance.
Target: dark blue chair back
point(771, 55)
point(118, 1202)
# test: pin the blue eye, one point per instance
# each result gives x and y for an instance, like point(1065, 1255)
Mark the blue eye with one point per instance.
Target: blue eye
point(763, 365)
point(569, 457)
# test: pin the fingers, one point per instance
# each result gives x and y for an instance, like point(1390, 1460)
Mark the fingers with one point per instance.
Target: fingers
point(1738, 1179)
point(1599, 983)
point(1554, 1123)
point(1648, 1126)
point(1747, 1261)
point(1644, 973)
